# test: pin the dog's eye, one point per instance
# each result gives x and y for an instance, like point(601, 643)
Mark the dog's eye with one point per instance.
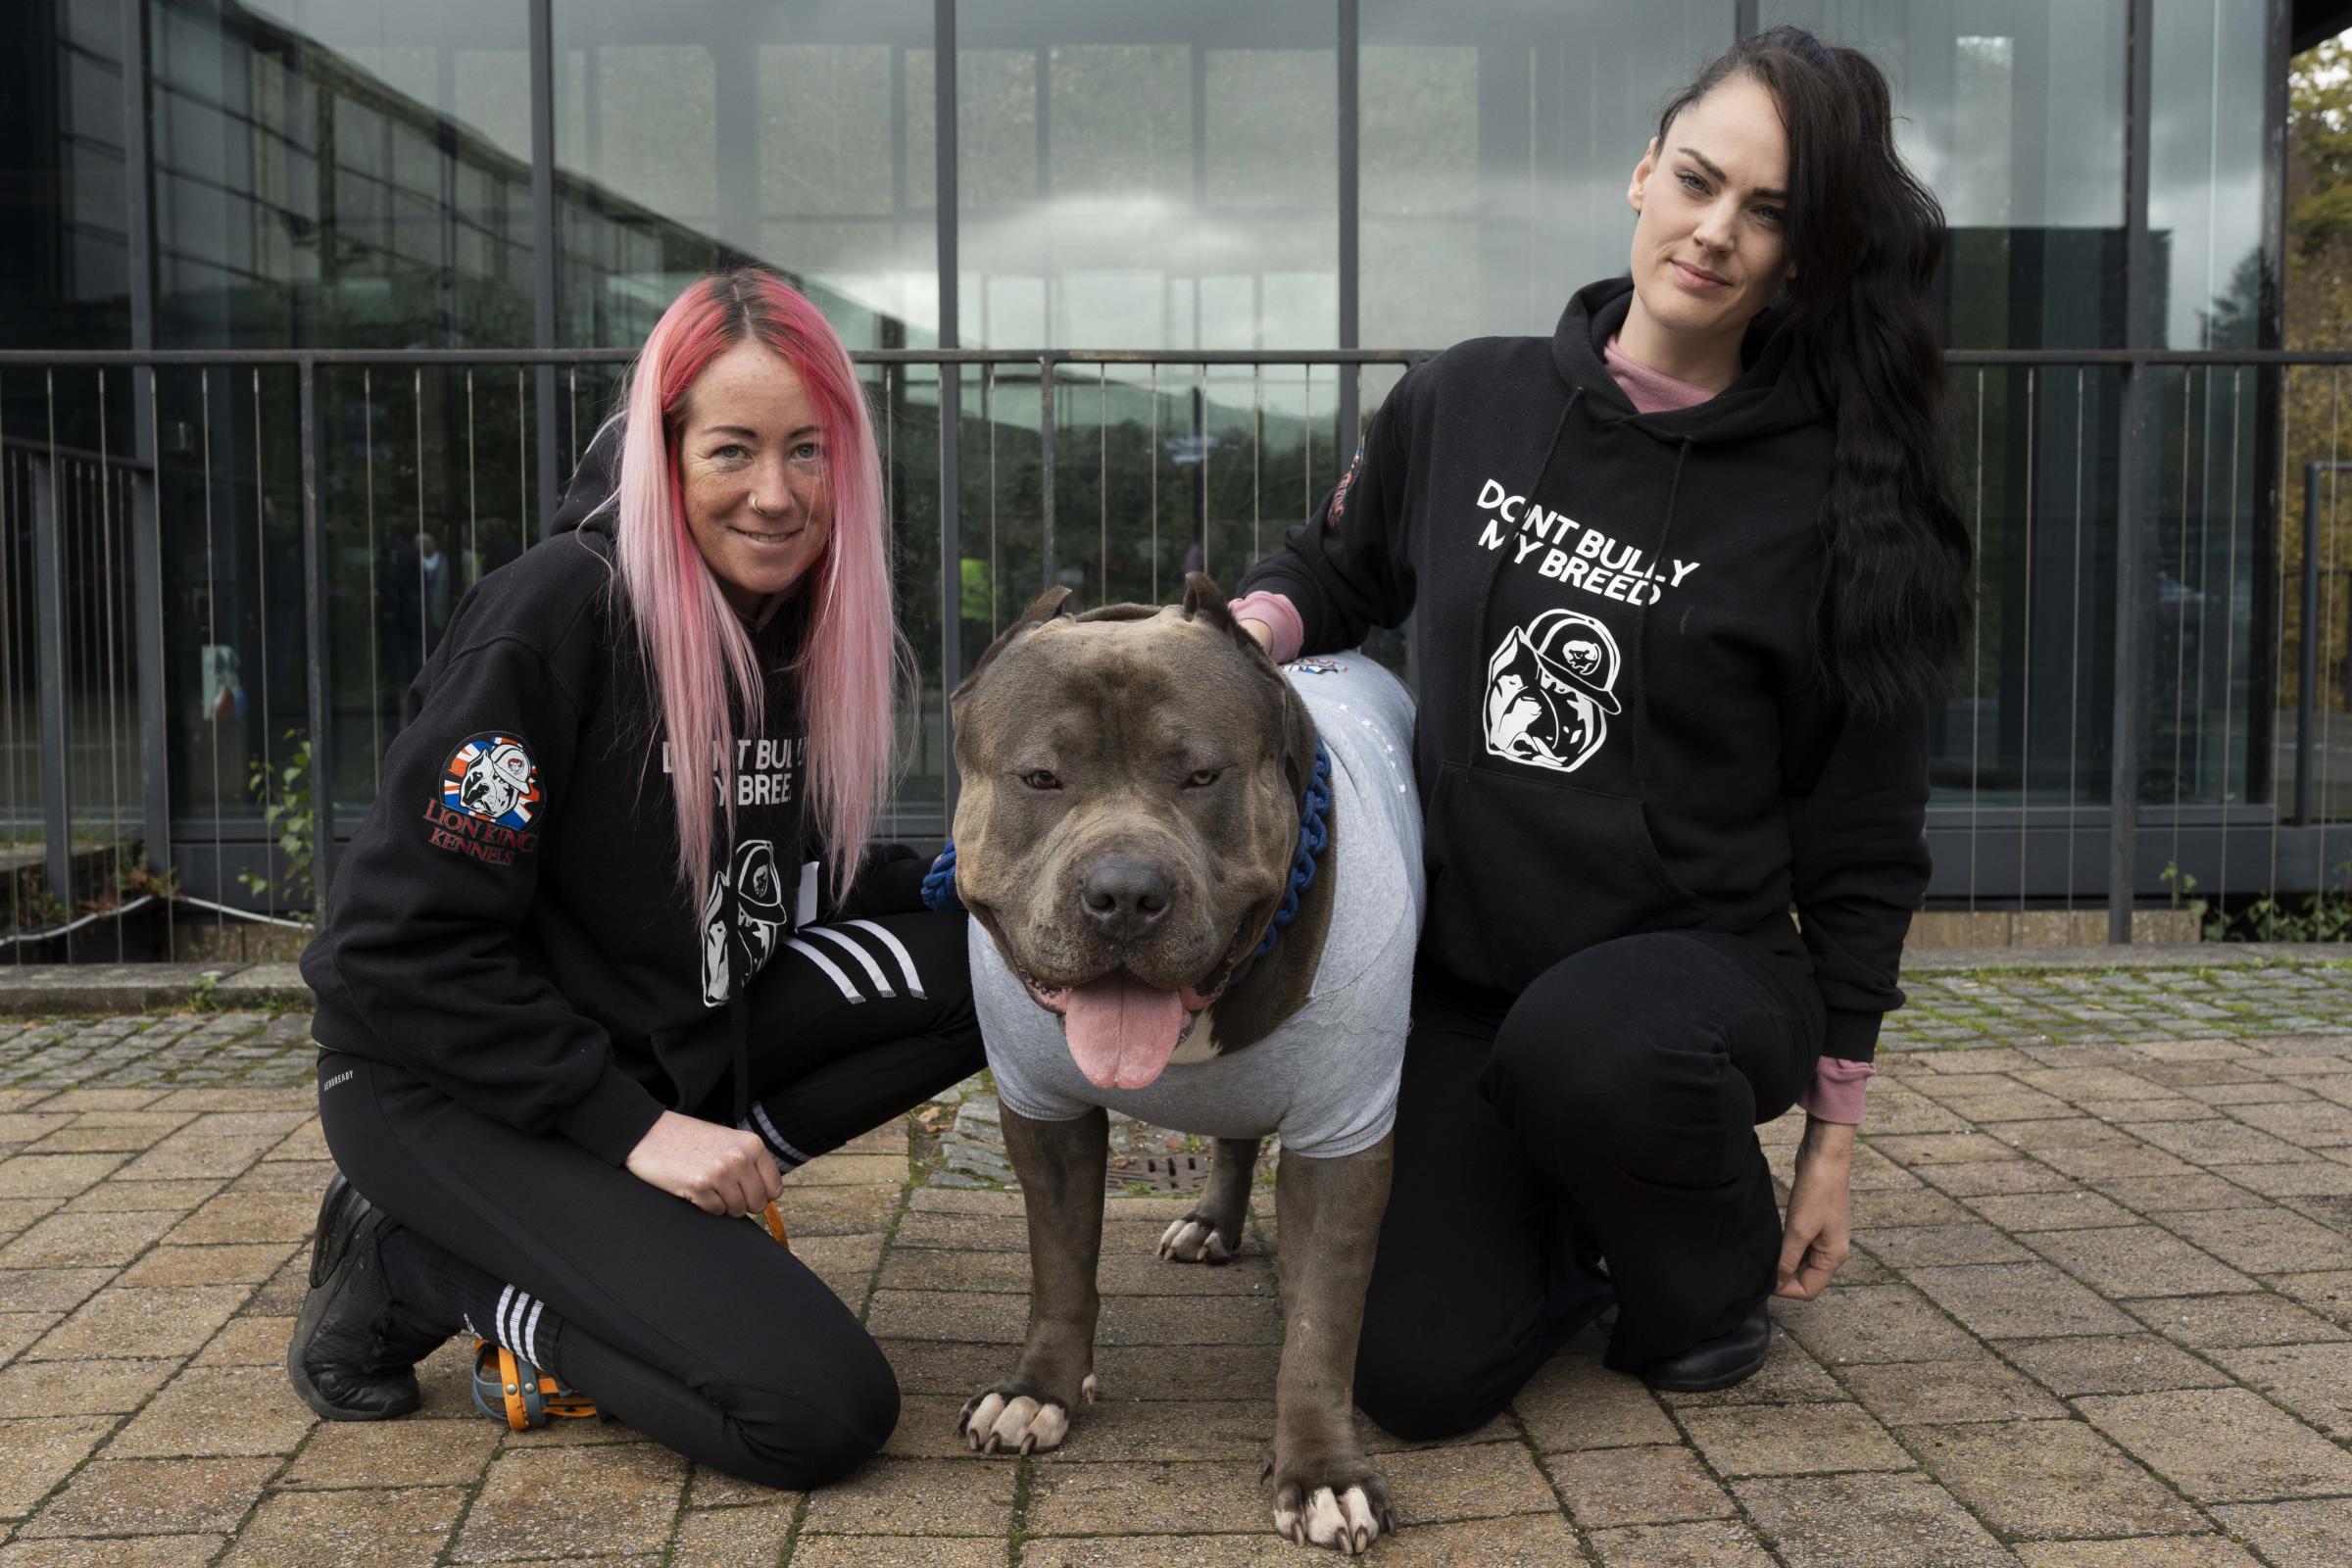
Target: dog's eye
point(1038, 778)
point(1202, 778)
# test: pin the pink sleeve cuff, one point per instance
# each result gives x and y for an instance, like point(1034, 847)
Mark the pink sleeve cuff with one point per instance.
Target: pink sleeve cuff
point(1277, 611)
point(1838, 1089)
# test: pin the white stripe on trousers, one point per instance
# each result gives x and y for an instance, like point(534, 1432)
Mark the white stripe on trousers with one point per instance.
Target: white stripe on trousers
point(498, 1324)
point(915, 982)
point(832, 969)
point(530, 1332)
point(873, 970)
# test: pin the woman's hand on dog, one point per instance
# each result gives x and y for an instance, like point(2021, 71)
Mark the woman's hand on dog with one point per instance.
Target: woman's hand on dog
point(719, 1170)
point(1819, 1233)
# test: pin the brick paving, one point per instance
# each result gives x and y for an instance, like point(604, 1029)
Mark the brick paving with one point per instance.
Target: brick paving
point(2099, 1316)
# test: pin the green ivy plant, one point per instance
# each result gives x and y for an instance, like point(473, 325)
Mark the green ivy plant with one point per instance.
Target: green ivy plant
point(287, 806)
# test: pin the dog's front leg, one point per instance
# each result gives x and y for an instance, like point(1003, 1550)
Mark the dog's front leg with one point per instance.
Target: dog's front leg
point(1325, 1493)
point(1061, 1165)
point(1211, 1231)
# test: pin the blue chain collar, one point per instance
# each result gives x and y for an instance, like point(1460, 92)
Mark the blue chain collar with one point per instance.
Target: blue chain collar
point(1314, 836)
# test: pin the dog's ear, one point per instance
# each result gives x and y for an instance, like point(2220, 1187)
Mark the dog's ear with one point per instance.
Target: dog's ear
point(1204, 601)
point(1044, 608)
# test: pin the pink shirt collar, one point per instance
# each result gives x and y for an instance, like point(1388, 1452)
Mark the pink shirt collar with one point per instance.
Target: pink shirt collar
point(1651, 391)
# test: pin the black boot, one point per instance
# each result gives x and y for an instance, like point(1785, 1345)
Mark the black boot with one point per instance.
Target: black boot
point(354, 1353)
point(1717, 1363)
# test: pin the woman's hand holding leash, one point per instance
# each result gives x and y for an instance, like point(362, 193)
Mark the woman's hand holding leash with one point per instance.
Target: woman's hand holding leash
point(719, 1170)
point(1818, 1234)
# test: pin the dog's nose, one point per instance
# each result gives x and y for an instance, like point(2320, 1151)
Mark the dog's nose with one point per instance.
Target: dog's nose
point(1125, 896)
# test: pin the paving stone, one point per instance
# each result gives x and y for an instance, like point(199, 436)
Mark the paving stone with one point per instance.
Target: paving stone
point(945, 1551)
point(218, 1411)
point(178, 1198)
point(2219, 1142)
point(2049, 1478)
point(2129, 1363)
point(347, 1528)
point(1874, 1323)
point(49, 1290)
point(20, 1329)
point(616, 1499)
point(2138, 1260)
point(1975, 1389)
point(36, 1454)
point(2160, 1194)
point(150, 1551)
point(2314, 1381)
point(409, 1452)
point(1573, 1402)
point(1708, 1544)
point(227, 1264)
point(2266, 1241)
point(2230, 1322)
point(2222, 1445)
point(2302, 1178)
point(1656, 1485)
point(2005, 1177)
point(1942, 1149)
point(65, 1240)
point(142, 1321)
point(54, 1175)
point(1892, 1207)
point(1908, 1247)
point(1868, 1521)
point(2148, 1551)
point(1480, 1481)
point(153, 1497)
point(732, 1538)
point(2000, 1299)
point(2329, 1292)
point(1161, 1372)
point(1781, 1439)
point(2314, 1534)
point(2071, 1210)
point(889, 1497)
point(79, 1388)
point(1232, 1431)
point(249, 1217)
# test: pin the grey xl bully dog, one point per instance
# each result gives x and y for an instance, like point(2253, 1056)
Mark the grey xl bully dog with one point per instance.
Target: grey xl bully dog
point(1141, 796)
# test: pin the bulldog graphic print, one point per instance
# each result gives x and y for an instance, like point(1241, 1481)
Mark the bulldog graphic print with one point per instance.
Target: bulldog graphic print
point(1550, 690)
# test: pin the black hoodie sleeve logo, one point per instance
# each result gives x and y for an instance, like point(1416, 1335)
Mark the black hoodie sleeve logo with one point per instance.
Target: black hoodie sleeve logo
point(487, 798)
point(1549, 690)
point(1338, 495)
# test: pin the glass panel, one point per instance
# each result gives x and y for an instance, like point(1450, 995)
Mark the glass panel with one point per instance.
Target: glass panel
point(1144, 176)
point(343, 173)
point(694, 137)
point(2012, 112)
point(1498, 136)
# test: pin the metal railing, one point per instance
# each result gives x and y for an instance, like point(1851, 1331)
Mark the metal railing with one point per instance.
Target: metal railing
point(219, 570)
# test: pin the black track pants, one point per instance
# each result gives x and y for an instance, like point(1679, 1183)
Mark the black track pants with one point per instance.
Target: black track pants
point(1610, 1109)
point(698, 1331)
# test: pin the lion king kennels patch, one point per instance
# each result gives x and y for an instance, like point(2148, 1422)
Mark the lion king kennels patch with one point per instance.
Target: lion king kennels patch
point(489, 794)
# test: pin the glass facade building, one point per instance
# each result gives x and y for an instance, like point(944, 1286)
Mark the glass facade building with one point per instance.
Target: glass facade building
point(1243, 177)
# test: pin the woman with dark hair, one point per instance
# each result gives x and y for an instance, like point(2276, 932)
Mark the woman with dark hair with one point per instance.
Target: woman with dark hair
point(1687, 580)
point(611, 953)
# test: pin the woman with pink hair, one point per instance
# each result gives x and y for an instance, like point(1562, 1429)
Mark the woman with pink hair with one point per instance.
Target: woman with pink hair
point(611, 953)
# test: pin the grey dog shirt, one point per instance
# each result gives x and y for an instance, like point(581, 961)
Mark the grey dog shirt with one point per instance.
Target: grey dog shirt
point(1327, 1079)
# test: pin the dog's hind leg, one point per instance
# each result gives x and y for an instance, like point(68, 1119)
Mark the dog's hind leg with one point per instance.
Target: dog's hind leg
point(1061, 1167)
point(1212, 1232)
point(1325, 1493)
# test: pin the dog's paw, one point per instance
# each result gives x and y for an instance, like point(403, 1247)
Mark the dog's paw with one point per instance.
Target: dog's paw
point(1015, 1418)
point(1195, 1239)
point(1347, 1515)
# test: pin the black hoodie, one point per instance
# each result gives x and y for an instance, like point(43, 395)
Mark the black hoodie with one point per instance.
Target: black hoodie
point(1622, 725)
point(508, 923)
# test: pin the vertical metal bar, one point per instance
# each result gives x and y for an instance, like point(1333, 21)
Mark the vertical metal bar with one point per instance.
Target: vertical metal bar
point(49, 644)
point(2237, 381)
point(1350, 376)
point(375, 693)
point(314, 626)
point(1976, 653)
point(2025, 725)
point(1045, 481)
point(2307, 656)
point(261, 580)
point(1257, 442)
point(2181, 629)
point(1154, 450)
point(947, 216)
point(543, 239)
point(988, 416)
point(2132, 555)
point(146, 537)
point(2073, 656)
point(1744, 21)
point(1103, 484)
point(474, 509)
point(107, 663)
point(1200, 437)
point(224, 672)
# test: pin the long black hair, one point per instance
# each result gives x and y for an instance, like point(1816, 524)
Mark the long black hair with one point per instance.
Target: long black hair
point(1865, 237)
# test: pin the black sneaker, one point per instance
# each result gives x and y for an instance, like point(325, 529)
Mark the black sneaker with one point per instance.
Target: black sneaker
point(354, 1355)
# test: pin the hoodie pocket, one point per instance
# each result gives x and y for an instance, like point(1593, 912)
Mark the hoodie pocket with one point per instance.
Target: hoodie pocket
point(1523, 872)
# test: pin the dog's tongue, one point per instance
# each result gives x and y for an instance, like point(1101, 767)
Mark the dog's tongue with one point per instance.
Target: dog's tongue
point(1121, 1032)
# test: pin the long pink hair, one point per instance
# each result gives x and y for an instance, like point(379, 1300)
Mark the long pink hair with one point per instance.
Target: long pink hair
point(697, 652)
